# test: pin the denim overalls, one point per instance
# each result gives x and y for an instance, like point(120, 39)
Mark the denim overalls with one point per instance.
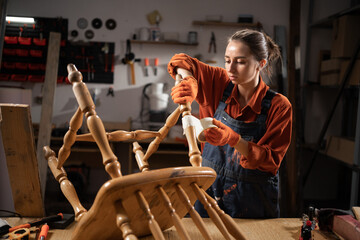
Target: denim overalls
point(240, 192)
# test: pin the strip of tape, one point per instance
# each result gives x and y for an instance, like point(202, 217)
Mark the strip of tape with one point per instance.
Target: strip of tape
point(199, 124)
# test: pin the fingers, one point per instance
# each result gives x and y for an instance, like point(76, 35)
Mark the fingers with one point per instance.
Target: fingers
point(183, 92)
point(219, 124)
point(181, 89)
point(214, 136)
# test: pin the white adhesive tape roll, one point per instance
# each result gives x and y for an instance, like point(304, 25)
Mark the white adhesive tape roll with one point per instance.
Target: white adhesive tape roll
point(200, 125)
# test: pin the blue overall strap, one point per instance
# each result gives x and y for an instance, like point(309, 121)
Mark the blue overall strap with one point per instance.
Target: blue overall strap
point(265, 106)
point(227, 92)
point(225, 96)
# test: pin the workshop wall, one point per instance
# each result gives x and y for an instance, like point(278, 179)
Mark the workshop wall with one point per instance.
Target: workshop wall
point(130, 16)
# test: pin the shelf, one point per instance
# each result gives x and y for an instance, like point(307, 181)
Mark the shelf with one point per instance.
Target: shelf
point(163, 43)
point(228, 24)
point(317, 86)
point(328, 22)
point(312, 148)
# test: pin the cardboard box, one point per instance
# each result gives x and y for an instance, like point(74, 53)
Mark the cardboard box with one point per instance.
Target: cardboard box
point(345, 36)
point(355, 73)
point(340, 148)
point(330, 71)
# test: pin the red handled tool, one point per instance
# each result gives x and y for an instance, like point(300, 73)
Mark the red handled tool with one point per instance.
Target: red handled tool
point(44, 232)
point(156, 63)
point(53, 218)
point(146, 63)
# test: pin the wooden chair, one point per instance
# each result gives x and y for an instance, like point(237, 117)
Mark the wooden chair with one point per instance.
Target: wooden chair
point(148, 202)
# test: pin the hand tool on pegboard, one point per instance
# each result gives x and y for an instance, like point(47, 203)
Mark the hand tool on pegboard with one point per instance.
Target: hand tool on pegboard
point(212, 44)
point(156, 63)
point(105, 49)
point(146, 65)
point(130, 59)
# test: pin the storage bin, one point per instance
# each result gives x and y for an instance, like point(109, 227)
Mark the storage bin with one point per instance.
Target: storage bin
point(36, 53)
point(11, 40)
point(18, 77)
point(39, 42)
point(9, 52)
point(4, 77)
point(24, 40)
point(22, 52)
point(345, 36)
point(9, 65)
point(36, 78)
point(330, 72)
point(21, 66)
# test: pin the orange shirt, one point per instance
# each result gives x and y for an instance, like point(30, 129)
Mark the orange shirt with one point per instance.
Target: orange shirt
point(265, 155)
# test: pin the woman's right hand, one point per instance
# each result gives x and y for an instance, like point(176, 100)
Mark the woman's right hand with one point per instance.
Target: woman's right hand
point(180, 61)
point(185, 91)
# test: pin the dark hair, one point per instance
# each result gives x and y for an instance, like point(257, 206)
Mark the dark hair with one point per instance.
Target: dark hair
point(260, 44)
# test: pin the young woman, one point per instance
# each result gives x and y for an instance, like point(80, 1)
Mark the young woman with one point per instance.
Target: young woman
point(254, 123)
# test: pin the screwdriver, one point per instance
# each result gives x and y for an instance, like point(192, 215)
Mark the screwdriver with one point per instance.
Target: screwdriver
point(44, 232)
point(156, 63)
point(146, 62)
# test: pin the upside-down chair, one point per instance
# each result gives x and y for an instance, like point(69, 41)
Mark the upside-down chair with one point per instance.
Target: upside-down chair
point(143, 203)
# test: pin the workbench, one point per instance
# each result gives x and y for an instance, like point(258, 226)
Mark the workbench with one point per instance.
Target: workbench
point(253, 229)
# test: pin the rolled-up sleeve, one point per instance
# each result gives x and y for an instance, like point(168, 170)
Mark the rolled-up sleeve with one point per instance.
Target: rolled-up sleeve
point(267, 154)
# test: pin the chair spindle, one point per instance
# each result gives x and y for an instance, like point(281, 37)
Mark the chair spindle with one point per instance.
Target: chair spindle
point(169, 123)
point(193, 213)
point(211, 212)
point(228, 221)
point(139, 156)
point(174, 216)
point(153, 225)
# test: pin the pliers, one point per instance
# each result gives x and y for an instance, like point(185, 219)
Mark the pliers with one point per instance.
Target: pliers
point(212, 42)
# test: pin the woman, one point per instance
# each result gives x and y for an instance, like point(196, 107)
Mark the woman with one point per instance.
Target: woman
point(254, 123)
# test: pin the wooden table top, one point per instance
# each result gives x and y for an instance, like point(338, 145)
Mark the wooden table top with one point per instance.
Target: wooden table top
point(253, 229)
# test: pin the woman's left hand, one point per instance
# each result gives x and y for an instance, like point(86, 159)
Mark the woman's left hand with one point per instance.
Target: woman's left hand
point(221, 135)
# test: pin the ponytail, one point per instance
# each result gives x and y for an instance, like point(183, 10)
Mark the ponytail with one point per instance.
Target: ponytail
point(274, 54)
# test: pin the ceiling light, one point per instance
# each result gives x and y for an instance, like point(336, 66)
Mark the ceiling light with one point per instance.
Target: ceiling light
point(20, 19)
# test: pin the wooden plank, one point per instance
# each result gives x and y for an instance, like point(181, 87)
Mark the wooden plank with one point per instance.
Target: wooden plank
point(19, 146)
point(51, 72)
point(356, 211)
point(294, 189)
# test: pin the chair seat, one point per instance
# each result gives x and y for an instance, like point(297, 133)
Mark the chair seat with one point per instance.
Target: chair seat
point(100, 220)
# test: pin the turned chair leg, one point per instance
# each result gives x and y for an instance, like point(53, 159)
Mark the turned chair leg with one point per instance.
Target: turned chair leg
point(66, 186)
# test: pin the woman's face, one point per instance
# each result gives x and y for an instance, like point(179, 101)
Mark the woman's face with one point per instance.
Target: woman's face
point(241, 66)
